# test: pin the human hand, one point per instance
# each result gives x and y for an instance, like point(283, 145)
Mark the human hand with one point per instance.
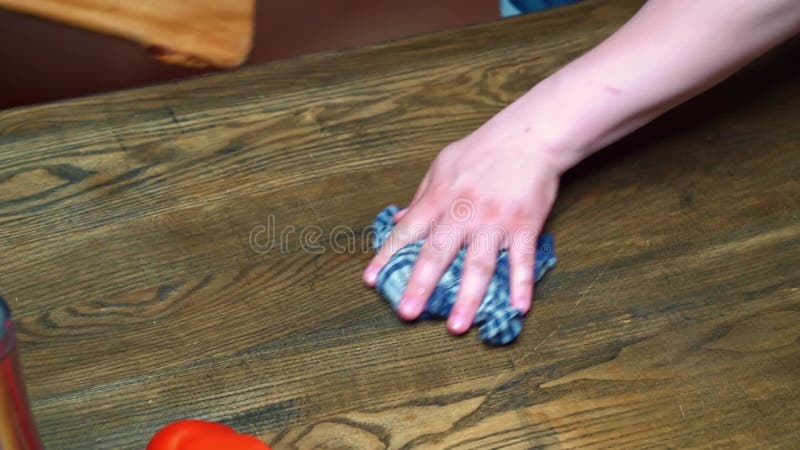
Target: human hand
point(489, 191)
point(494, 188)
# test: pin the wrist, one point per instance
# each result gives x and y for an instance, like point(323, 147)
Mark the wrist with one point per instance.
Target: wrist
point(559, 122)
point(545, 119)
point(562, 140)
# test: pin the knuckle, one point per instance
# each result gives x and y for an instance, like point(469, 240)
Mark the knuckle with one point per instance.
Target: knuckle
point(522, 271)
point(440, 246)
point(468, 302)
point(436, 257)
point(492, 210)
point(522, 258)
point(395, 242)
point(487, 236)
point(480, 266)
point(411, 229)
point(521, 284)
point(523, 245)
point(524, 280)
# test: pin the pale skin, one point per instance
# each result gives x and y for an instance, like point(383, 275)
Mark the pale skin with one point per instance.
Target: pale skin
point(509, 168)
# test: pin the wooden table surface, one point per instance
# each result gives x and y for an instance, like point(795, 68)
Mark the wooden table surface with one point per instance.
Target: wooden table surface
point(673, 317)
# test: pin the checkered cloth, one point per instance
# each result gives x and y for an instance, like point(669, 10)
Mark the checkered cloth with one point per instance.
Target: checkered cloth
point(498, 322)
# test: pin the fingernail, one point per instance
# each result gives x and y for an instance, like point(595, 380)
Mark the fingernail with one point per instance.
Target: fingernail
point(371, 274)
point(409, 308)
point(459, 323)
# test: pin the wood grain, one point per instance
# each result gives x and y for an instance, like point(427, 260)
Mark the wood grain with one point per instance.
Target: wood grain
point(671, 320)
point(195, 33)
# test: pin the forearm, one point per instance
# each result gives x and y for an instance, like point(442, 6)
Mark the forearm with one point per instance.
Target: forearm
point(668, 52)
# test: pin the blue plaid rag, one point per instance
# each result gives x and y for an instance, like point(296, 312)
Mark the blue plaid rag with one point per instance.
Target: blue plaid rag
point(498, 322)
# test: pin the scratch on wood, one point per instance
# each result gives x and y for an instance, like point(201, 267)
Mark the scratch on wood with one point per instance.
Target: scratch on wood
point(174, 118)
point(558, 327)
point(588, 288)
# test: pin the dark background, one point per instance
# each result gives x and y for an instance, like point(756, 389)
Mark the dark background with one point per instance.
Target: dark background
point(45, 61)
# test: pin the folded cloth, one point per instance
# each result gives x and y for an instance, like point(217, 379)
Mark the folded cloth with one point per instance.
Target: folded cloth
point(498, 322)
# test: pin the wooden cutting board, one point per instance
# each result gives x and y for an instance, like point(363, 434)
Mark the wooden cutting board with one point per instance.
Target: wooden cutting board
point(195, 33)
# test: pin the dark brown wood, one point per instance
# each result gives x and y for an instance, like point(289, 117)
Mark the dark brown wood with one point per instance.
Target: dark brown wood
point(672, 319)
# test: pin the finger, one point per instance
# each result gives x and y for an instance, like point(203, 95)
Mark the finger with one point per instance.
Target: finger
point(414, 226)
point(521, 258)
point(436, 255)
point(423, 186)
point(421, 189)
point(401, 235)
point(398, 216)
point(479, 266)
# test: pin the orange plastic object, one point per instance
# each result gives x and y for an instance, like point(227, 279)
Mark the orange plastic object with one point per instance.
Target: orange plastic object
point(201, 435)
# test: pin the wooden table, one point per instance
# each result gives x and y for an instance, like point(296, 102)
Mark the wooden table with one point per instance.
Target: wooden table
point(672, 318)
